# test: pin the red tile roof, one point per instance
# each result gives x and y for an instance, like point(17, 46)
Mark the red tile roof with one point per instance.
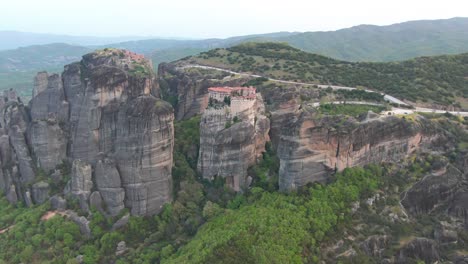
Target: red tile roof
point(231, 89)
point(221, 89)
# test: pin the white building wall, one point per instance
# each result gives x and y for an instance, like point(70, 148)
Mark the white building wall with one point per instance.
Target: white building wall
point(238, 105)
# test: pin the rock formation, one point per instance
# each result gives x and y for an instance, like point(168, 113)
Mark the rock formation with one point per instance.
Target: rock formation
point(419, 248)
point(40, 192)
point(310, 148)
point(101, 115)
point(227, 150)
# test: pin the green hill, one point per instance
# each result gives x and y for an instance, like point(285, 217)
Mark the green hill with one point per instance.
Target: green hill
point(387, 43)
point(442, 79)
point(19, 66)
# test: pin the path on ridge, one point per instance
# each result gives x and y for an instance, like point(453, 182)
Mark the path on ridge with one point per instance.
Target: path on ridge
point(387, 97)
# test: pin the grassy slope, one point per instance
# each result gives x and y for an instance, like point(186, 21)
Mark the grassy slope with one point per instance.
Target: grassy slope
point(442, 79)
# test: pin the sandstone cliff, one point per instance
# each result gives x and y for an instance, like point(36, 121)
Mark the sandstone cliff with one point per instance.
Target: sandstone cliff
point(311, 148)
point(227, 150)
point(100, 114)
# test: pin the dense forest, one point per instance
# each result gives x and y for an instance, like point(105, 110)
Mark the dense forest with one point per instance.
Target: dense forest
point(442, 80)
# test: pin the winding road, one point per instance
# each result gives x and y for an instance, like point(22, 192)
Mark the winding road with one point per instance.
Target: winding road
point(387, 97)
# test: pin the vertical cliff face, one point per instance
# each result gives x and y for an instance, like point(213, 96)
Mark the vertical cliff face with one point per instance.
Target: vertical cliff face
point(100, 114)
point(226, 150)
point(311, 148)
point(114, 115)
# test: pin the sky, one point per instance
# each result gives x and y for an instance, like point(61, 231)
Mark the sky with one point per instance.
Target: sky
point(213, 18)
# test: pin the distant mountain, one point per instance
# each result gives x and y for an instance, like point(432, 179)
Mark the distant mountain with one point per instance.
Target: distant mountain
point(164, 50)
point(361, 43)
point(40, 57)
point(19, 66)
point(16, 39)
point(387, 43)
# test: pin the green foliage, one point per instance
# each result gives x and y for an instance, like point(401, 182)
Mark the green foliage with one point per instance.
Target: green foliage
point(265, 173)
point(360, 95)
point(140, 71)
point(255, 82)
point(187, 144)
point(227, 100)
point(165, 93)
point(429, 79)
point(274, 226)
point(228, 124)
point(32, 240)
point(349, 109)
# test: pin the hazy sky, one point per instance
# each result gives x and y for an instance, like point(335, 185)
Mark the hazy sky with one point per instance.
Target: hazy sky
point(213, 18)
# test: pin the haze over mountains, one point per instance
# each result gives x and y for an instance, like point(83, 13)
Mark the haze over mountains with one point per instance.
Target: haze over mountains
point(16, 39)
point(360, 43)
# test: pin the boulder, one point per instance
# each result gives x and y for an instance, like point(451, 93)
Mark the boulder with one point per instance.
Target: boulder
point(82, 223)
point(374, 246)
point(95, 200)
point(40, 192)
point(446, 233)
point(27, 199)
point(419, 249)
point(58, 203)
point(56, 176)
point(121, 248)
point(11, 195)
point(121, 222)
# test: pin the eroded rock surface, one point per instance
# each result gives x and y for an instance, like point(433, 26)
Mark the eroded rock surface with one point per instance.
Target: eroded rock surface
point(102, 116)
point(228, 151)
point(311, 148)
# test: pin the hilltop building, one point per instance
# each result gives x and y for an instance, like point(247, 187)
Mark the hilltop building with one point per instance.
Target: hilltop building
point(241, 98)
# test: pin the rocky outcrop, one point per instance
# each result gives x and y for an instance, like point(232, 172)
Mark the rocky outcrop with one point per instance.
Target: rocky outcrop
point(81, 182)
point(40, 83)
point(227, 150)
point(110, 186)
point(48, 101)
point(310, 147)
point(48, 143)
point(375, 245)
point(432, 191)
point(419, 249)
point(40, 192)
point(121, 248)
point(101, 115)
point(113, 114)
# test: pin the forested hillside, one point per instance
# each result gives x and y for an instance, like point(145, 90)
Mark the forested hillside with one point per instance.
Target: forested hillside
point(441, 80)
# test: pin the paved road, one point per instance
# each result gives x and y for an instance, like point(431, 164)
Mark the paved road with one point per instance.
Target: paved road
point(387, 97)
